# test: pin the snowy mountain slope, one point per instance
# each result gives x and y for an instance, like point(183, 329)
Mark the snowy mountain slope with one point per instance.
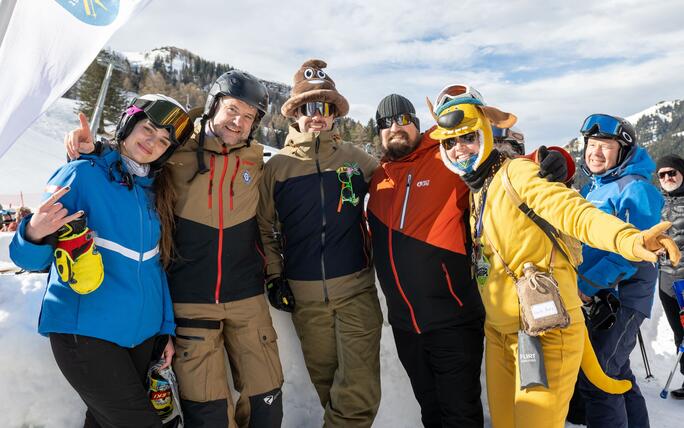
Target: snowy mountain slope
point(177, 60)
point(658, 110)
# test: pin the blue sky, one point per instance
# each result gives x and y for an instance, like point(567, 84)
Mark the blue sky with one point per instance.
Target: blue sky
point(550, 63)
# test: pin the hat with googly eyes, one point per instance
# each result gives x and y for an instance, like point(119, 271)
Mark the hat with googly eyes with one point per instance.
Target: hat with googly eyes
point(312, 83)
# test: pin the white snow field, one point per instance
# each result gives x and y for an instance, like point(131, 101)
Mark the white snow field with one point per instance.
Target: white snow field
point(33, 393)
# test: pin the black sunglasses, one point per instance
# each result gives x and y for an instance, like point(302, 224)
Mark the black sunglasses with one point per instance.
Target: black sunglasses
point(670, 173)
point(401, 119)
point(470, 138)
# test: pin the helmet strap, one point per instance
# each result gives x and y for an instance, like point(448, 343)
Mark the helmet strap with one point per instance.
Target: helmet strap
point(201, 165)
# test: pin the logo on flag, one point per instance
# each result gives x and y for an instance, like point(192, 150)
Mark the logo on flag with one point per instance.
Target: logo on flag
point(93, 12)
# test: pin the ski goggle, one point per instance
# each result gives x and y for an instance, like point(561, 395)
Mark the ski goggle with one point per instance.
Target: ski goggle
point(320, 107)
point(401, 119)
point(670, 173)
point(166, 115)
point(602, 125)
point(452, 92)
point(470, 138)
point(506, 134)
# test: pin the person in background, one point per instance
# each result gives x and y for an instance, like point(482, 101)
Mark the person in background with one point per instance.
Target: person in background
point(670, 172)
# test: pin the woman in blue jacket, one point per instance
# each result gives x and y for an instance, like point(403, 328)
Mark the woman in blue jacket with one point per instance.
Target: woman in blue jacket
point(107, 298)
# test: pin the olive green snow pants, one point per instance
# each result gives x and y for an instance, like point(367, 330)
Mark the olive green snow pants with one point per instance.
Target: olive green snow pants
point(341, 345)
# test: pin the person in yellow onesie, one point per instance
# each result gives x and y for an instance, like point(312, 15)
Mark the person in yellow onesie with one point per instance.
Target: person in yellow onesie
point(464, 130)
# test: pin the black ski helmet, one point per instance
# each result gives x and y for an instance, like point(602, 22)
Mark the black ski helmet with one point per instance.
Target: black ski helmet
point(242, 86)
point(163, 112)
point(612, 127)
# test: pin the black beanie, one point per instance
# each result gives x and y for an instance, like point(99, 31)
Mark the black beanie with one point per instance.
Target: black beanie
point(395, 104)
point(671, 161)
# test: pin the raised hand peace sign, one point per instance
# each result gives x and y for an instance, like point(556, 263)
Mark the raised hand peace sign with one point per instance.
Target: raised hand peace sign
point(51, 215)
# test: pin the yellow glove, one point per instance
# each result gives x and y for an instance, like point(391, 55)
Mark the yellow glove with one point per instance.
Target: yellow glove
point(653, 241)
point(78, 262)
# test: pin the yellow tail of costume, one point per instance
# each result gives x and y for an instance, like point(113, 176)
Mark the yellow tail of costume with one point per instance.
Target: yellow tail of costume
point(593, 371)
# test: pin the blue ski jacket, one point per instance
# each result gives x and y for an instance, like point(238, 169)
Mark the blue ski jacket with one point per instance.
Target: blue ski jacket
point(627, 193)
point(133, 302)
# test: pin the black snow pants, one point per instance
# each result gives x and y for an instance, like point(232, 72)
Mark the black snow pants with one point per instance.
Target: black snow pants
point(444, 368)
point(671, 309)
point(110, 379)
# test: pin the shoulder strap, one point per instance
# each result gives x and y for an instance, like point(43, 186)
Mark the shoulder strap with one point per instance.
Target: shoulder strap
point(508, 270)
point(546, 227)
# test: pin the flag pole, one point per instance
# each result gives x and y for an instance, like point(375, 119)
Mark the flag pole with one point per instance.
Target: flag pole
point(6, 10)
point(99, 106)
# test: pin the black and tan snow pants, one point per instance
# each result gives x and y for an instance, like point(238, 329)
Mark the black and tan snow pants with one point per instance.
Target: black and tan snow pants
point(244, 331)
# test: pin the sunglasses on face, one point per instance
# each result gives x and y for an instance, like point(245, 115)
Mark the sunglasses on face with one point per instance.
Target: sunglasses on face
point(402, 119)
point(671, 173)
point(470, 138)
point(320, 107)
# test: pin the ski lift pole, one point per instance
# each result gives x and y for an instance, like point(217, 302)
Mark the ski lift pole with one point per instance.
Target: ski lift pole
point(99, 106)
point(647, 366)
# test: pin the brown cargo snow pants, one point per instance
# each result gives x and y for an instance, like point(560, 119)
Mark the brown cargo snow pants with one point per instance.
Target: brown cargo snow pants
point(243, 329)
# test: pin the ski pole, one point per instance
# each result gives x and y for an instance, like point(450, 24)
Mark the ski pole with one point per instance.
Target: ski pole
point(647, 366)
point(665, 391)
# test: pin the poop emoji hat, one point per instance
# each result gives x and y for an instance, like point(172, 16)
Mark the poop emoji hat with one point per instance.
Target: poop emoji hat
point(312, 83)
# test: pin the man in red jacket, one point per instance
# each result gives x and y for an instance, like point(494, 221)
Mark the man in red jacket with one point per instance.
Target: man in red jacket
point(416, 215)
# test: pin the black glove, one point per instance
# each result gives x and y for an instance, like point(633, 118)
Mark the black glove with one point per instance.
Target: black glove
point(280, 295)
point(603, 310)
point(552, 165)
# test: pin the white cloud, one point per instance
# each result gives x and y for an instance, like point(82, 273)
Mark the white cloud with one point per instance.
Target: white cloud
point(568, 59)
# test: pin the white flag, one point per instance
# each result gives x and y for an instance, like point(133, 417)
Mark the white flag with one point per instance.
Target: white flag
point(47, 46)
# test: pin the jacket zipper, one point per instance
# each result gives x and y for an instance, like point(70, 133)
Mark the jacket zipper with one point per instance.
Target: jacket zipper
point(320, 182)
point(141, 251)
point(406, 197)
point(220, 242)
point(396, 278)
point(451, 289)
point(232, 180)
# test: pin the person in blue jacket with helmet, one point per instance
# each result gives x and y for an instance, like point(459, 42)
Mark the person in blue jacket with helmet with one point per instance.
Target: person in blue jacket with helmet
point(619, 292)
point(107, 300)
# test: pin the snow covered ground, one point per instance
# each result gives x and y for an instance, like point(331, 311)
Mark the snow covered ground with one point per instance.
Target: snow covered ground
point(33, 392)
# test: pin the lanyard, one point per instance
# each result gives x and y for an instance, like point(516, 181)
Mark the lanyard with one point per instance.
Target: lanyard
point(478, 224)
